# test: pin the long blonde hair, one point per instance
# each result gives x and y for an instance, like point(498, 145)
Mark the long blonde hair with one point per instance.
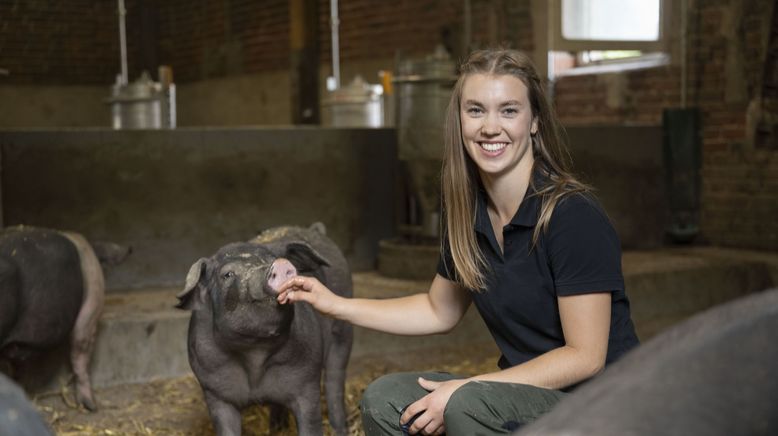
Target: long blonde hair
point(460, 178)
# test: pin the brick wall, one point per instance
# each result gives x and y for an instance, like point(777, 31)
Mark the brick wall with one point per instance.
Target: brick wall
point(77, 41)
point(730, 81)
point(740, 172)
point(59, 42)
point(633, 97)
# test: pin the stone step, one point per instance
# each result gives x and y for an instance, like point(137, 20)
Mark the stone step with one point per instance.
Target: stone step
point(142, 336)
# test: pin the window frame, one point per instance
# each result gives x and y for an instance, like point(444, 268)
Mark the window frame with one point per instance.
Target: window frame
point(559, 43)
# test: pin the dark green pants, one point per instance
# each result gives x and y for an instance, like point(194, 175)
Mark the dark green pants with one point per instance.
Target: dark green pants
point(476, 408)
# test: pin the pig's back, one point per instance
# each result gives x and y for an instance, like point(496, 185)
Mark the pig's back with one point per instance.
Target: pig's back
point(48, 282)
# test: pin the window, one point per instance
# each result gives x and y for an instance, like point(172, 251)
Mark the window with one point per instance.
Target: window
point(606, 32)
point(607, 25)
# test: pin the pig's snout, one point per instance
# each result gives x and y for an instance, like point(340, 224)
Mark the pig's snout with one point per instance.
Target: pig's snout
point(280, 271)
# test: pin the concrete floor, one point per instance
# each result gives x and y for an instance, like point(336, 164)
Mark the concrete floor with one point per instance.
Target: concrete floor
point(142, 336)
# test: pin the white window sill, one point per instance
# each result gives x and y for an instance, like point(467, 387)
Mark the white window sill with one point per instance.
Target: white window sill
point(644, 62)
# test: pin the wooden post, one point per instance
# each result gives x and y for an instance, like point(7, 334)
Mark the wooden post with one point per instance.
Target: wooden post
point(304, 61)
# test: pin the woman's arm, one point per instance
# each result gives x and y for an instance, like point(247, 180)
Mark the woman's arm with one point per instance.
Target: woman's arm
point(586, 324)
point(437, 311)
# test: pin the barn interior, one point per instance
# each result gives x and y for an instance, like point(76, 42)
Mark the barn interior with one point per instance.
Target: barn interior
point(176, 127)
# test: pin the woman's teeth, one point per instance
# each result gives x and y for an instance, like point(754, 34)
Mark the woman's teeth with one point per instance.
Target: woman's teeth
point(493, 146)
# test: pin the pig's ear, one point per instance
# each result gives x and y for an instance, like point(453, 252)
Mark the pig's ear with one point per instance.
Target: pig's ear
point(193, 295)
point(304, 257)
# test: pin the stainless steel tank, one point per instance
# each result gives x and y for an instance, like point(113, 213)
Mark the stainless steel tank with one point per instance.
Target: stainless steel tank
point(143, 104)
point(359, 104)
point(422, 91)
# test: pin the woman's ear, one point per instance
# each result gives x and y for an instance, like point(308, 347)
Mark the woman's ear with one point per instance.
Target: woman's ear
point(533, 129)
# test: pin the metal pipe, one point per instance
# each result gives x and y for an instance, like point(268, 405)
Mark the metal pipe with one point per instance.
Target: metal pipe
point(334, 23)
point(684, 24)
point(123, 42)
point(468, 33)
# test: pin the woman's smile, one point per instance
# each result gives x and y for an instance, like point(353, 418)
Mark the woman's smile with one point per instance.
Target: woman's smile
point(493, 148)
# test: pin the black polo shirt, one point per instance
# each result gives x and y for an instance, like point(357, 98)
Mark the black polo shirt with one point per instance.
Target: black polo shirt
point(579, 254)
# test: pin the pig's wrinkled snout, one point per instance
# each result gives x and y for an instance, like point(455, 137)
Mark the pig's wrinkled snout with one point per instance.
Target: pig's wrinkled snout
point(281, 271)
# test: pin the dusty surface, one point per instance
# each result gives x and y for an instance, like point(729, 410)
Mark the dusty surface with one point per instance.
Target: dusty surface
point(176, 407)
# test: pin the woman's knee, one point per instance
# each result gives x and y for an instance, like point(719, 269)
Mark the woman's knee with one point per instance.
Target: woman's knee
point(496, 407)
point(383, 401)
point(387, 388)
point(463, 399)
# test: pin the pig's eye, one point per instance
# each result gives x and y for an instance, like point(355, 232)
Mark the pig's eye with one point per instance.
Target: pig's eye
point(228, 275)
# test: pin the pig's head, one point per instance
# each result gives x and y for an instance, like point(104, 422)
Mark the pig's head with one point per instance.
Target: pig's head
point(239, 285)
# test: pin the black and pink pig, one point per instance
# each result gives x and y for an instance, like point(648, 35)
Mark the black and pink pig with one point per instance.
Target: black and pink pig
point(51, 290)
point(245, 348)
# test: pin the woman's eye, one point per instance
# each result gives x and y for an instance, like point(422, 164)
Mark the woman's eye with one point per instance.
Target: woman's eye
point(474, 111)
point(510, 111)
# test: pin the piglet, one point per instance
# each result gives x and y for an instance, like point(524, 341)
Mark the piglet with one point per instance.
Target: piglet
point(245, 348)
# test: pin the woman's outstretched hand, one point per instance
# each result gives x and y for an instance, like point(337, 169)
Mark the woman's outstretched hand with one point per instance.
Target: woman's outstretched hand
point(310, 290)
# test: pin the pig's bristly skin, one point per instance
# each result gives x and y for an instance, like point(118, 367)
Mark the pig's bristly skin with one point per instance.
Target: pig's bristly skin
point(245, 348)
point(51, 286)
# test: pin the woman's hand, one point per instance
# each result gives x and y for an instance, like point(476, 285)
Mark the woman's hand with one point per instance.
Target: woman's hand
point(433, 405)
point(311, 291)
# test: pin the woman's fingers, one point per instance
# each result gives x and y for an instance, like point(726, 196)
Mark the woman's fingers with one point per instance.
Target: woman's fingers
point(294, 289)
point(426, 425)
point(297, 283)
point(309, 290)
point(428, 385)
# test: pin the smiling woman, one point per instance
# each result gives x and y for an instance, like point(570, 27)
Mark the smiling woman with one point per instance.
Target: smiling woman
point(525, 242)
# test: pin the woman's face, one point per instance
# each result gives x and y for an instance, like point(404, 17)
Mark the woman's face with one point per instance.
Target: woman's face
point(497, 123)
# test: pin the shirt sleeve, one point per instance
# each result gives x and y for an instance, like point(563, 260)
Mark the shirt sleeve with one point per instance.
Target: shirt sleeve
point(583, 248)
point(446, 261)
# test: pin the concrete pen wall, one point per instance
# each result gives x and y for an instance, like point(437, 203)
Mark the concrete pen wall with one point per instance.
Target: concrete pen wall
point(177, 195)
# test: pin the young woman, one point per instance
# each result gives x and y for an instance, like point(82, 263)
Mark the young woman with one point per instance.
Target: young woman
point(526, 242)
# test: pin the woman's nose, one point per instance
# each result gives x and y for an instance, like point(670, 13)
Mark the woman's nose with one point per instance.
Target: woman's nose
point(490, 126)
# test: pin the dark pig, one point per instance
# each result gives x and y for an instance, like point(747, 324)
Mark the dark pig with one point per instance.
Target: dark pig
point(245, 348)
point(51, 287)
point(18, 417)
point(715, 374)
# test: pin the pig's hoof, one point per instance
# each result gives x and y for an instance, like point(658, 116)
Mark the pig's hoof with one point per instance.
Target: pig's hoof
point(87, 401)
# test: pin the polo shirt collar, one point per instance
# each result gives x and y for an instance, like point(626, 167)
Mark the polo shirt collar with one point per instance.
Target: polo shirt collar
point(526, 216)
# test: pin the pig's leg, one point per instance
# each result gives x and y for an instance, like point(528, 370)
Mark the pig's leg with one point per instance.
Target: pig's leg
point(9, 299)
point(306, 409)
point(224, 416)
point(335, 375)
point(85, 328)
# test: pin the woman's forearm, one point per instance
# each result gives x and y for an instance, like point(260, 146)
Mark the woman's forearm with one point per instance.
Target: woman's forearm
point(411, 315)
point(556, 369)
